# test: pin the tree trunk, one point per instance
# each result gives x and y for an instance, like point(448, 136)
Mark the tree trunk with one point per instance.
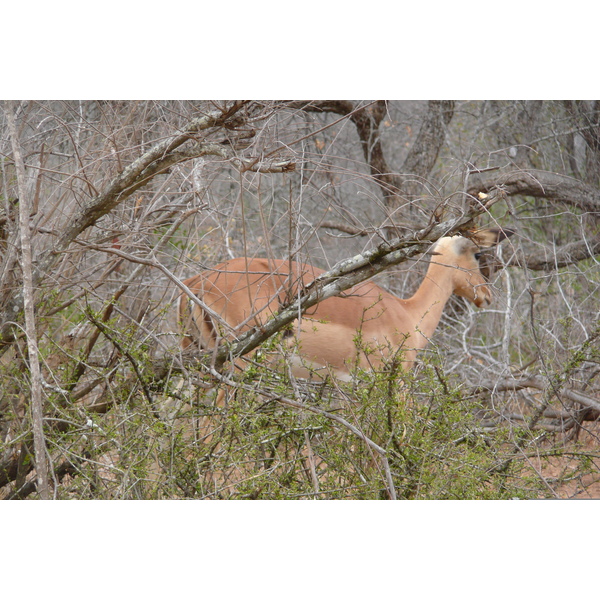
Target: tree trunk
point(36, 403)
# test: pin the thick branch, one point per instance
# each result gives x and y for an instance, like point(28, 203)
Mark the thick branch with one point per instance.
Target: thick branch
point(156, 160)
point(348, 273)
point(542, 184)
point(555, 188)
point(422, 154)
point(538, 383)
point(557, 257)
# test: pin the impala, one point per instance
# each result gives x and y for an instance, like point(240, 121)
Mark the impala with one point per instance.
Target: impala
point(362, 327)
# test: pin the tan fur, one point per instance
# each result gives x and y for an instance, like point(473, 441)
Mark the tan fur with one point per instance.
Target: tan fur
point(245, 292)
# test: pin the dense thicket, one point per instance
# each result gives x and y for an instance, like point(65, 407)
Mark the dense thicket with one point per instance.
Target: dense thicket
point(105, 207)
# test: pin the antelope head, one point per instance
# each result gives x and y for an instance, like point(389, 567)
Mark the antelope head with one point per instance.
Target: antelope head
point(462, 255)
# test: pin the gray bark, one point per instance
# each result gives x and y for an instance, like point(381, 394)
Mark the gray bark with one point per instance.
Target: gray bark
point(36, 401)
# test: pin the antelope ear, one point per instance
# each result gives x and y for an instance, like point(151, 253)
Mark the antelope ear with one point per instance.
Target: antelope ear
point(487, 238)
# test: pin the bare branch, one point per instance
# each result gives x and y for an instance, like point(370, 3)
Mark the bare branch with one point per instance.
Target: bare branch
point(557, 257)
point(542, 184)
point(137, 174)
point(257, 166)
point(134, 176)
point(538, 383)
point(344, 228)
point(557, 188)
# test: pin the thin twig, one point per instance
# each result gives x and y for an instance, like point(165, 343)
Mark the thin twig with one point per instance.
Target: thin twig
point(303, 406)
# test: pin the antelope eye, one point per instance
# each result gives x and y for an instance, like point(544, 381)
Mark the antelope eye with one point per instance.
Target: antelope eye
point(477, 255)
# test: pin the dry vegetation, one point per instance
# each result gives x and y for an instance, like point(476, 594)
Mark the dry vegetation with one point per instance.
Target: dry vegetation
point(119, 202)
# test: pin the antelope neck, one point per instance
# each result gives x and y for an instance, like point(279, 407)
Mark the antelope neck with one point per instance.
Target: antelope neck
point(427, 304)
